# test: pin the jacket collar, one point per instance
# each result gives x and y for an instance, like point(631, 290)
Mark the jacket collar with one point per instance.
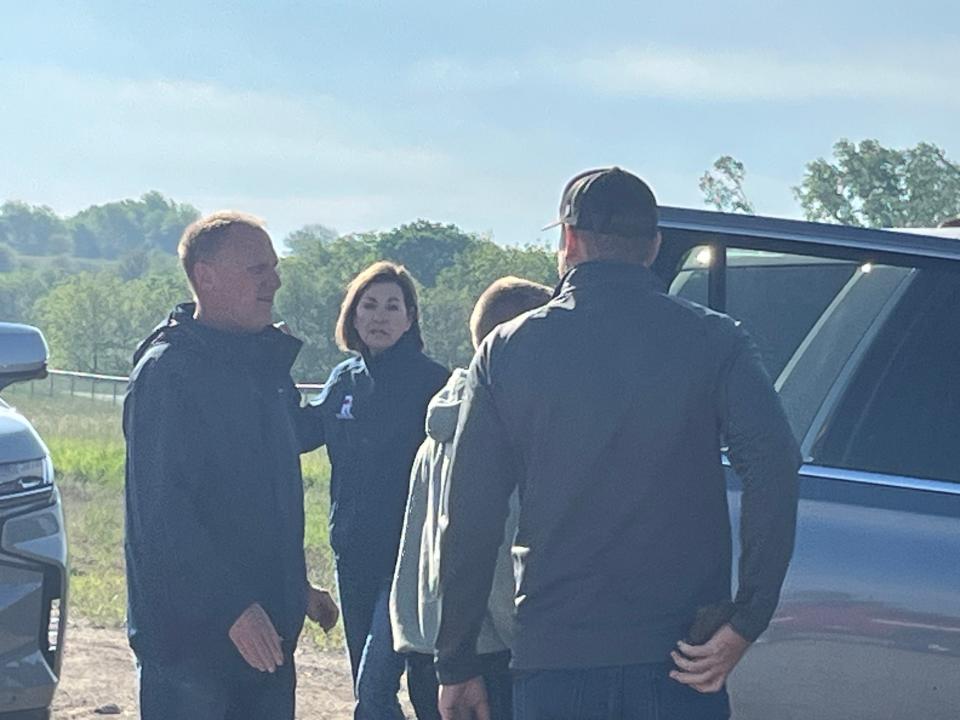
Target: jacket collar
point(395, 359)
point(270, 348)
point(600, 273)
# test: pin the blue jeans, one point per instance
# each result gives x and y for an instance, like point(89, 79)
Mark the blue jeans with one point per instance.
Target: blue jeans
point(364, 604)
point(628, 692)
point(189, 690)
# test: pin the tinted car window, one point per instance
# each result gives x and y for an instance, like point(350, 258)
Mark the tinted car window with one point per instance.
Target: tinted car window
point(812, 382)
point(777, 296)
point(901, 413)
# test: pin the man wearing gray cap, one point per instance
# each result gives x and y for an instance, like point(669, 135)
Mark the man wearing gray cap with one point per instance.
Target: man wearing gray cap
point(608, 408)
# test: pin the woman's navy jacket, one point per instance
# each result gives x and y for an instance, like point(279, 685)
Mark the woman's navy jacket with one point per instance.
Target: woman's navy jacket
point(372, 411)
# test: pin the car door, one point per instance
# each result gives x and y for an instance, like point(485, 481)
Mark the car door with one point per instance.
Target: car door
point(866, 357)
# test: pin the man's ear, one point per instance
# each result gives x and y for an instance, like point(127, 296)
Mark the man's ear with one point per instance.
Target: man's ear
point(204, 277)
point(572, 246)
point(653, 250)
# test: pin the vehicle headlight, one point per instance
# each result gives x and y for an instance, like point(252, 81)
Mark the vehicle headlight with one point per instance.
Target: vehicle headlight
point(26, 476)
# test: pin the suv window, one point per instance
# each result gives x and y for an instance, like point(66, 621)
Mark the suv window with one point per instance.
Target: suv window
point(777, 296)
point(811, 317)
point(901, 412)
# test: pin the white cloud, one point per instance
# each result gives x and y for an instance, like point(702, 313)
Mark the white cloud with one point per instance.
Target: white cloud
point(760, 76)
point(70, 139)
point(81, 135)
point(910, 74)
point(84, 139)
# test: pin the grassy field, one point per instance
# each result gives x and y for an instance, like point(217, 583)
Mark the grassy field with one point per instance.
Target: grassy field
point(86, 442)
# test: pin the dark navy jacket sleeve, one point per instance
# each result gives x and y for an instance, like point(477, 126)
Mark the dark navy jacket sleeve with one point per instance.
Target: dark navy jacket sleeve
point(308, 422)
point(764, 453)
point(197, 582)
point(483, 477)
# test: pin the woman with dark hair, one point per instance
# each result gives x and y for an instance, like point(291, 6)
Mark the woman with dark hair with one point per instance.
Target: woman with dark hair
point(372, 409)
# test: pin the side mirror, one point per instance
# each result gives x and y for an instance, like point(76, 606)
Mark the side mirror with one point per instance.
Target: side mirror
point(23, 354)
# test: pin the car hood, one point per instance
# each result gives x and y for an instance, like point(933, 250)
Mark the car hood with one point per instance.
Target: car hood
point(18, 440)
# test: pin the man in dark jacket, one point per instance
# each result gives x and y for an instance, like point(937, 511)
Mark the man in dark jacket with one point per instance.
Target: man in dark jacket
point(608, 407)
point(216, 575)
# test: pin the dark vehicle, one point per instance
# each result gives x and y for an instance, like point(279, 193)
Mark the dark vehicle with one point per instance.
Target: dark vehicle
point(33, 546)
point(860, 329)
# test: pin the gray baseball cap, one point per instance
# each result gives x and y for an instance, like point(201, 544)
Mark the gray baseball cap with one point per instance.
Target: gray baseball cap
point(610, 201)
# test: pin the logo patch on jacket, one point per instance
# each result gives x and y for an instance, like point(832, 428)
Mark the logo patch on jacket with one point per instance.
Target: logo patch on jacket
point(346, 410)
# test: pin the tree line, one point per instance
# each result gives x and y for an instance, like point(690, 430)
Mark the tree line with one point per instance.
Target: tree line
point(94, 318)
point(111, 231)
point(865, 184)
point(97, 282)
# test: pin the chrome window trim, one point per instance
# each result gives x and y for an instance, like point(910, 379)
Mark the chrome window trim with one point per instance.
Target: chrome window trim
point(766, 233)
point(807, 341)
point(852, 366)
point(867, 477)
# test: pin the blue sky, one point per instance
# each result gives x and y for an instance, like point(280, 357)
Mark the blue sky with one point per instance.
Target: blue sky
point(363, 115)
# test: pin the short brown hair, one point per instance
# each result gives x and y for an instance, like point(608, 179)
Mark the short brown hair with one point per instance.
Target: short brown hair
point(204, 237)
point(504, 300)
point(951, 223)
point(380, 272)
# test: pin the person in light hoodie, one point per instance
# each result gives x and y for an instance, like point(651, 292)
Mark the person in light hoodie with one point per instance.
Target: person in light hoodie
point(414, 599)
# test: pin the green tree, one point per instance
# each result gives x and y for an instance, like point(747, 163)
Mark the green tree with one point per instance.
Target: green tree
point(163, 221)
point(19, 291)
point(870, 185)
point(81, 324)
point(722, 186)
point(457, 266)
point(134, 263)
point(447, 306)
point(424, 248)
point(145, 302)
point(300, 241)
point(116, 228)
point(86, 244)
point(32, 230)
point(111, 227)
point(8, 258)
point(94, 321)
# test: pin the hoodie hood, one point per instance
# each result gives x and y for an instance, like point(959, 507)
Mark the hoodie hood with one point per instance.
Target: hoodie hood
point(165, 330)
point(443, 412)
point(271, 346)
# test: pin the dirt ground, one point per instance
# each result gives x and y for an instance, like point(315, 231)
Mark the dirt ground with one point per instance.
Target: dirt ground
point(98, 672)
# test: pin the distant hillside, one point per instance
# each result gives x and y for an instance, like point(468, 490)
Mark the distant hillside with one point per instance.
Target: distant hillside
point(100, 232)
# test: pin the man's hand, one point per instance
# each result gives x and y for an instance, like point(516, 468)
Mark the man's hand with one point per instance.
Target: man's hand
point(321, 608)
point(464, 701)
point(705, 667)
point(256, 639)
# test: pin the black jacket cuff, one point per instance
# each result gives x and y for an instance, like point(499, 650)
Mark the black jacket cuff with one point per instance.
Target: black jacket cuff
point(453, 671)
point(750, 622)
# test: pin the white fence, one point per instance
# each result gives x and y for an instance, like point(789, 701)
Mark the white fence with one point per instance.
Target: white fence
point(108, 388)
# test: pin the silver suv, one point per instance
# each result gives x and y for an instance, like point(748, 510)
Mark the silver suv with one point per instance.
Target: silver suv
point(33, 544)
point(859, 328)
